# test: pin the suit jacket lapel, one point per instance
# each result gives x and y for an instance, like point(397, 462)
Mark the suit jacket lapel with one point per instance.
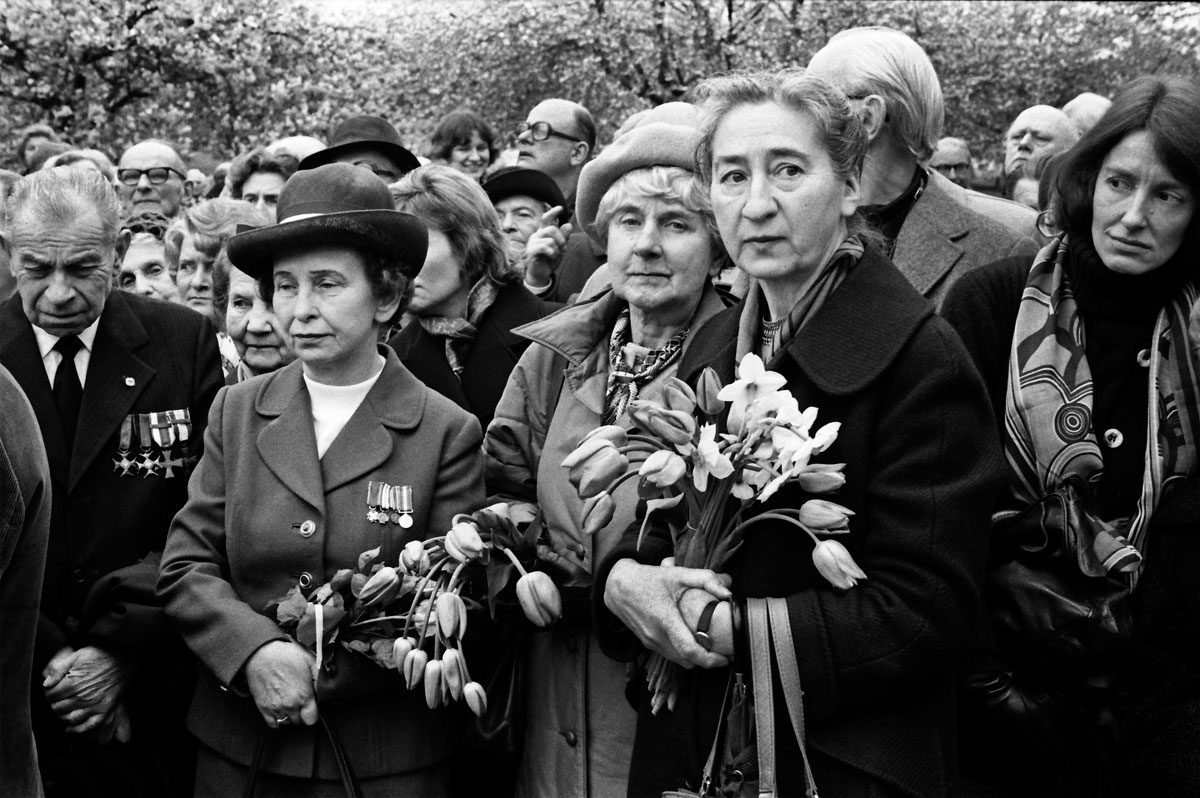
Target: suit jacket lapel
point(20, 355)
point(116, 377)
point(396, 401)
point(288, 444)
point(926, 248)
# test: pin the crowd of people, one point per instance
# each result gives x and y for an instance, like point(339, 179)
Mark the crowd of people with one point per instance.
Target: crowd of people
point(203, 374)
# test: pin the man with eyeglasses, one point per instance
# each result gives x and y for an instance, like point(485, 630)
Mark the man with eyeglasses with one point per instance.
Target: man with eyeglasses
point(151, 179)
point(557, 139)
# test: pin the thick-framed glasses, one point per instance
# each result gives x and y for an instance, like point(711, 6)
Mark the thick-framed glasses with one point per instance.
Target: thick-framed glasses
point(1046, 224)
point(540, 131)
point(156, 175)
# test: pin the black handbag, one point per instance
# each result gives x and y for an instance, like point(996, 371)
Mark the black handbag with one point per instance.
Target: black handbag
point(346, 676)
point(345, 772)
point(1058, 597)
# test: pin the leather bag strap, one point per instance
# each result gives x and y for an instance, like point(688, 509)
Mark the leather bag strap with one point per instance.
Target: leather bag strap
point(789, 676)
point(346, 773)
point(764, 694)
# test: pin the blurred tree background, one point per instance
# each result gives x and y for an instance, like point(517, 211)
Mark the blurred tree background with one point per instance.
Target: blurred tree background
point(218, 76)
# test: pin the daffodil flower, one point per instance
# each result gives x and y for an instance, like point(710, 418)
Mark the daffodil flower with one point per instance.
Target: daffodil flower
point(708, 459)
point(753, 380)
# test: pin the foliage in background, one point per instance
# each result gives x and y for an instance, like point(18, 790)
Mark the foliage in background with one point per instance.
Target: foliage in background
point(218, 76)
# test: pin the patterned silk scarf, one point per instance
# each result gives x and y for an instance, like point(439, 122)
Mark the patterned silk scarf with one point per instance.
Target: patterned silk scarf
point(765, 337)
point(1048, 409)
point(459, 332)
point(631, 366)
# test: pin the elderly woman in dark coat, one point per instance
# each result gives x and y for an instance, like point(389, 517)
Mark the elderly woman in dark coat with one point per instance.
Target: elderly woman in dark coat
point(827, 310)
point(467, 299)
point(279, 498)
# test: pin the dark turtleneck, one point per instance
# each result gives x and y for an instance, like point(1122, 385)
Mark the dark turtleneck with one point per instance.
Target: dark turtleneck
point(889, 218)
point(1119, 312)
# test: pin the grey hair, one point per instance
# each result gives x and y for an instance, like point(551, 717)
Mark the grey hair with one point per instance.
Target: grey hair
point(57, 196)
point(887, 62)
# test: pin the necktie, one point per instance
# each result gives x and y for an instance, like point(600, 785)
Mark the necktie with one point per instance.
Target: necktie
point(68, 391)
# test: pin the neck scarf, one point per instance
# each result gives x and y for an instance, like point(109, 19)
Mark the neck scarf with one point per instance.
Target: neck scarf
point(631, 367)
point(765, 337)
point(459, 332)
point(1048, 407)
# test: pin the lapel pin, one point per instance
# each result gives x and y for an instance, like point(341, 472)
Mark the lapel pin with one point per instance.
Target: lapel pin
point(130, 381)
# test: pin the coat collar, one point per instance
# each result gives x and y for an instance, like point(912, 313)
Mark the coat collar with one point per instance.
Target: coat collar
point(574, 331)
point(926, 248)
point(847, 345)
point(287, 444)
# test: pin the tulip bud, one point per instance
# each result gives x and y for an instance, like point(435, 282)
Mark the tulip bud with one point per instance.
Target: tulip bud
point(384, 652)
point(433, 684)
point(451, 614)
point(400, 649)
point(539, 598)
point(501, 509)
point(414, 558)
point(587, 447)
point(614, 433)
point(834, 563)
point(673, 426)
point(820, 481)
point(463, 541)
point(414, 667)
point(476, 698)
point(598, 512)
point(707, 388)
point(663, 468)
point(381, 587)
point(678, 395)
point(453, 669)
point(367, 559)
point(820, 515)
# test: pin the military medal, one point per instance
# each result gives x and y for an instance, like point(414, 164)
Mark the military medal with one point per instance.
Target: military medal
point(122, 463)
point(147, 463)
point(373, 498)
point(404, 506)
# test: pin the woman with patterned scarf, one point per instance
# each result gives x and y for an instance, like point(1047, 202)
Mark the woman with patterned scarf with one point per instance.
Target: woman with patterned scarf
point(467, 298)
point(642, 201)
point(1094, 382)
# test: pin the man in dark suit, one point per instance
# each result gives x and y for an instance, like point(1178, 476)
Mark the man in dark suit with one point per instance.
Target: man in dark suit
point(121, 387)
point(936, 231)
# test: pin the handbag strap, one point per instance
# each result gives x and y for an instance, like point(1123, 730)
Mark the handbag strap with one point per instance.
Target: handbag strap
point(345, 772)
point(789, 676)
point(764, 694)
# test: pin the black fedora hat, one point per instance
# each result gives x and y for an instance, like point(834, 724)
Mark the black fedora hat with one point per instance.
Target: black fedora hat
point(338, 203)
point(517, 181)
point(364, 130)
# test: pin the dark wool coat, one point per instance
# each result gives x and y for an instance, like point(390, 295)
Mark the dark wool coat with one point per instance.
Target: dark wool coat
point(24, 534)
point(107, 528)
point(242, 541)
point(877, 662)
point(492, 357)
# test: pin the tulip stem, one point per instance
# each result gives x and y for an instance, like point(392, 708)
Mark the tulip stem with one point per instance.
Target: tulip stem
point(433, 569)
point(775, 516)
point(454, 576)
point(520, 568)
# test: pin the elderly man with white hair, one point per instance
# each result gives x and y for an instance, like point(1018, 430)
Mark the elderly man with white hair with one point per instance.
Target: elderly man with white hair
point(937, 231)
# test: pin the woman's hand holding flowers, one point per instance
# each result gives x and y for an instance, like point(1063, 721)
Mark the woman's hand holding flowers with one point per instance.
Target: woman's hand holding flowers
point(280, 677)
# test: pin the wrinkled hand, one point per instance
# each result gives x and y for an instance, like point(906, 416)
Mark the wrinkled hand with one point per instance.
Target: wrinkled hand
point(84, 689)
point(544, 248)
point(280, 678)
point(720, 626)
point(647, 600)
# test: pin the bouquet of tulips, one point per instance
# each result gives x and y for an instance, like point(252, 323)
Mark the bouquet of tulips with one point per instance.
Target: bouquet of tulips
point(683, 459)
point(412, 615)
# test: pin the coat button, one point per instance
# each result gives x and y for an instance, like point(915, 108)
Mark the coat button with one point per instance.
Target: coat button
point(571, 738)
point(305, 580)
point(1143, 358)
point(1113, 438)
point(307, 529)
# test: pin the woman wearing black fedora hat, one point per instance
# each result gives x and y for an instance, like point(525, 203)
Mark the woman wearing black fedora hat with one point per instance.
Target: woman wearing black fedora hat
point(279, 499)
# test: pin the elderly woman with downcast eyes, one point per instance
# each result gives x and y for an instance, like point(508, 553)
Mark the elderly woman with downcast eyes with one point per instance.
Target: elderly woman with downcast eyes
point(279, 499)
point(643, 202)
point(782, 153)
point(1094, 382)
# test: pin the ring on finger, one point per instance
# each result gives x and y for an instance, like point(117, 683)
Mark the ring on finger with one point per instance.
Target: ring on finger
point(283, 721)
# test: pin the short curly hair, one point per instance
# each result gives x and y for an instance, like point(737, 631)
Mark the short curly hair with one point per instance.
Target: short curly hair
point(455, 130)
point(258, 160)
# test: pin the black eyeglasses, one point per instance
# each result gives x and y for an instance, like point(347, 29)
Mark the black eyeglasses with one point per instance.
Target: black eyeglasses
point(1046, 224)
point(540, 131)
point(157, 175)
